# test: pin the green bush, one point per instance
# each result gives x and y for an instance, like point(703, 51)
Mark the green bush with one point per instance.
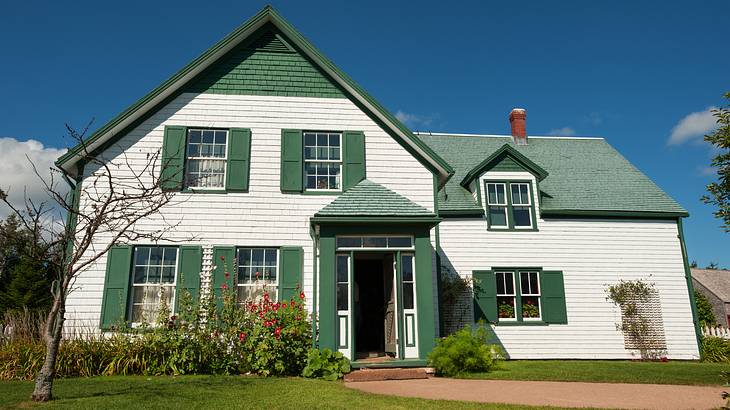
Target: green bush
point(715, 349)
point(704, 310)
point(324, 364)
point(465, 351)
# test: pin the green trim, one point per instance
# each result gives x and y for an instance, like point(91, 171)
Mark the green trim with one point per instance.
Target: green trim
point(424, 293)
point(353, 158)
point(556, 213)
point(325, 193)
point(690, 286)
point(315, 274)
point(522, 323)
point(238, 160)
point(505, 151)
point(372, 108)
point(376, 220)
point(400, 317)
point(291, 170)
point(350, 301)
point(327, 292)
point(510, 210)
point(291, 272)
point(391, 363)
point(461, 213)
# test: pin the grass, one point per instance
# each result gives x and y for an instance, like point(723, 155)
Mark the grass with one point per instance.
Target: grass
point(673, 372)
point(215, 392)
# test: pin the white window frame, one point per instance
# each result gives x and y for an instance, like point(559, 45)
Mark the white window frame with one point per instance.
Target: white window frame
point(188, 158)
point(141, 286)
point(271, 288)
point(505, 186)
point(387, 246)
point(513, 295)
point(318, 161)
point(538, 295)
point(528, 205)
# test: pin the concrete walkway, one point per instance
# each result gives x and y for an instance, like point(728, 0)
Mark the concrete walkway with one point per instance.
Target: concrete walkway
point(561, 394)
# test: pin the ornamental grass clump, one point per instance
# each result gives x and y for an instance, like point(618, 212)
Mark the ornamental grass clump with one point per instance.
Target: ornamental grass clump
point(466, 351)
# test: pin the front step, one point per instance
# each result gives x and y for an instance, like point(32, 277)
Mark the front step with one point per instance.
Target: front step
point(371, 375)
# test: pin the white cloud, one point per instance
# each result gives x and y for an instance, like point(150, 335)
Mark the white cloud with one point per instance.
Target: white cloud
point(413, 120)
point(563, 132)
point(16, 173)
point(693, 127)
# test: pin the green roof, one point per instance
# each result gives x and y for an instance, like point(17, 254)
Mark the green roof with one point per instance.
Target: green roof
point(163, 94)
point(368, 199)
point(585, 176)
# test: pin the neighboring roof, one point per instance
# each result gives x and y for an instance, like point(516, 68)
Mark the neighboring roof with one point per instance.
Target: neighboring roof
point(369, 199)
point(716, 281)
point(586, 176)
point(121, 124)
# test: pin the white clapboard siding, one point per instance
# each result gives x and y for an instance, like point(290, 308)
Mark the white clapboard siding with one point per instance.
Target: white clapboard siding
point(592, 253)
point(263, 216)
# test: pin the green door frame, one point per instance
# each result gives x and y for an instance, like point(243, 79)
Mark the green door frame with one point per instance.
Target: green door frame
point(423, 254)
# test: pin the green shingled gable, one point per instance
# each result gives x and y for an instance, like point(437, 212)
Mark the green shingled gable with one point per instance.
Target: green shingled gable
point(585, 175)
point(370, 199)
point(267, 64)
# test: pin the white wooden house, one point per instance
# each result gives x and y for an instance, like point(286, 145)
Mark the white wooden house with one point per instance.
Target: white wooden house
point(293, 174)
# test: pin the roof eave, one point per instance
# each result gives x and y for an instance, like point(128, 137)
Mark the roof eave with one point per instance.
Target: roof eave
point(506, 149)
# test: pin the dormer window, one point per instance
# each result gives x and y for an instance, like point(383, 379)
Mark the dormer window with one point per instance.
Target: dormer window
point(509, 205)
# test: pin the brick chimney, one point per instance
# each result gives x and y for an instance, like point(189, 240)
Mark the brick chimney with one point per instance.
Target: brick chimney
point(517, 120)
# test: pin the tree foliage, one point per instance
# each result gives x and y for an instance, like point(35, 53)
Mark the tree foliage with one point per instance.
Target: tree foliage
point(704, 310)
point(719, 191)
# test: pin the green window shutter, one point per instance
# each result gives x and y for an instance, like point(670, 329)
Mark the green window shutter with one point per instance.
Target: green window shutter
point(116, 286)
point(553, 297)
point(353, 158)
point(291, 267)
point(190, 263)
point(485, 295)
point(239, 160)
point(291, 178)
point(224, 260)
point(173, 158)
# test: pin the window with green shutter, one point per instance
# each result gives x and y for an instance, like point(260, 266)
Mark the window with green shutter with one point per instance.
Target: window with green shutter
point(291, 178)
point(173, 158)
point(140, 278)
point(519, 296)
point(291, 262)
point(354, 158)
point(239, 160)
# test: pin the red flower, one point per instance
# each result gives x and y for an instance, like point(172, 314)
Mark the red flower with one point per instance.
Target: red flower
point(277, 332)
point(258, 274)
point(228, 275)
point(267, 323)
point(223, 258)
point(224, 286)
point(241, 336)
point(301, 295)
point(261, 315)
point(283, 305)
point(266, 296)
point(293, 303)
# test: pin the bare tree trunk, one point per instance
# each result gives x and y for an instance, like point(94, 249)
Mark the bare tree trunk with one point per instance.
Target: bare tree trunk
point(52, 336)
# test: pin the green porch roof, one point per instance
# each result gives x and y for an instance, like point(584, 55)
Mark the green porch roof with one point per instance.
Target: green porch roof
point(369, 199)
point(585, 176)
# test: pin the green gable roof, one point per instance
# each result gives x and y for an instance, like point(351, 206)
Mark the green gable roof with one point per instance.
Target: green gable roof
point(585, 176)
point(193, 75)
point(506, 158)
point(369, 199)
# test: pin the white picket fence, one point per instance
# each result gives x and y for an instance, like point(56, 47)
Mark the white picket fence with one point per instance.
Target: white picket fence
point(717, 331)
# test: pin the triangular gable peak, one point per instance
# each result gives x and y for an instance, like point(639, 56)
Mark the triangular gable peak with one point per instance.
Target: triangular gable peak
point(200, 74)
point(507, 158)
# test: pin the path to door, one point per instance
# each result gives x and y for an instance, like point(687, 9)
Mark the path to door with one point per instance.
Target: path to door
point(562, 394)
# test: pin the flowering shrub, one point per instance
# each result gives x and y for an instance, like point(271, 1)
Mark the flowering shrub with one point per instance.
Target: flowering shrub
point(506, 310)
point(265, 337)
point(530, 310)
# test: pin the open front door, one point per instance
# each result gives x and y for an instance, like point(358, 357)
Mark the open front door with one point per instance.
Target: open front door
point(391, 337)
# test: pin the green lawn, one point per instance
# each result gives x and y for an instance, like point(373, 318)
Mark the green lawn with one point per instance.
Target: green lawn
point(673, 372)
point(215, 392)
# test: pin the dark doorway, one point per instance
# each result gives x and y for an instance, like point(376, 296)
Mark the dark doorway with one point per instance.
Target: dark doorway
point(372, 294)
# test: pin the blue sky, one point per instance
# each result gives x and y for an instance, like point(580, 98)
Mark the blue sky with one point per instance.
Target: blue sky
point(627, 71)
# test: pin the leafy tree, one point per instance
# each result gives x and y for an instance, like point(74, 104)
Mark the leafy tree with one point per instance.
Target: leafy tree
point(24, 280)
point(693, 264)
point(712, 266)
point(704, 310)
point(719, 191)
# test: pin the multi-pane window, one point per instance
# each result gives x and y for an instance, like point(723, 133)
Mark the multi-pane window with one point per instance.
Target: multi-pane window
point(343, 275)
point(257, 273)
point(506, 295)
point(206, 158)
point(497, 205)
point(322, 160)
point(530, 295)
point(153, 282)
point(521, 205)
point(509, 205)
